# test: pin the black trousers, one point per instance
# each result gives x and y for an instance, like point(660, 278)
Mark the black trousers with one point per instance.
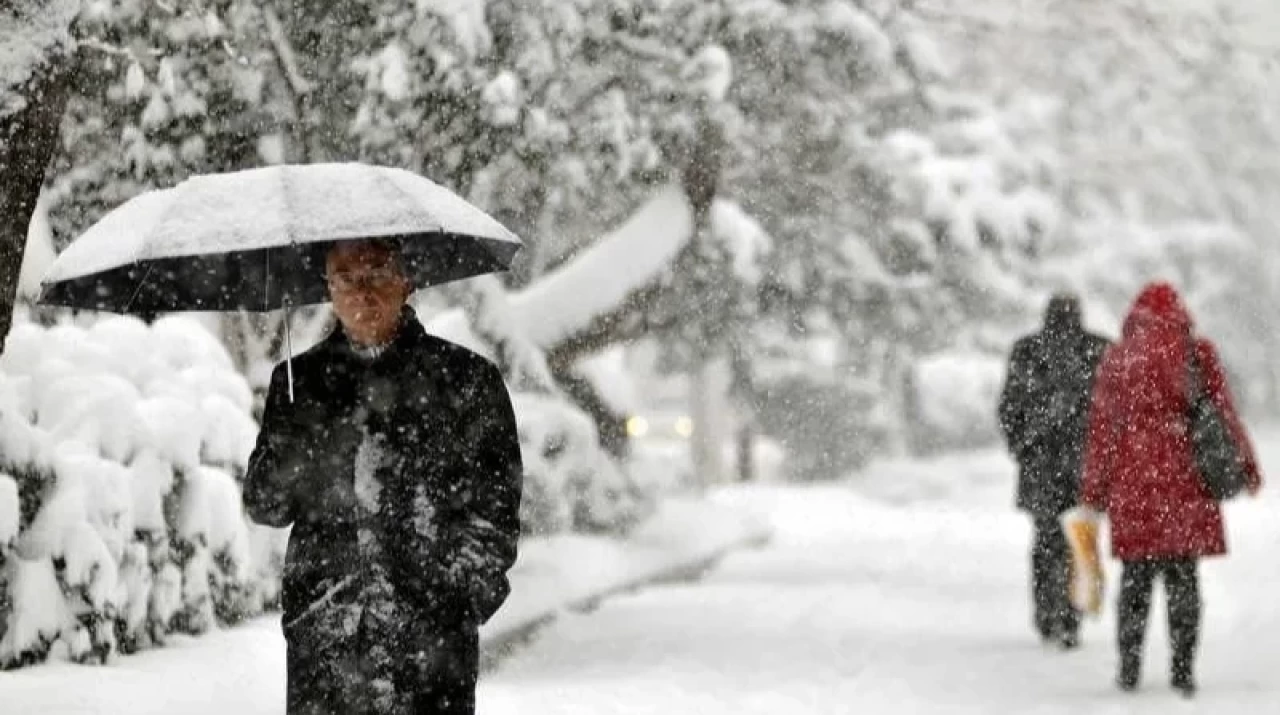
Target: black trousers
point(361, 662)
point(1050, 580)
point(1182, 586)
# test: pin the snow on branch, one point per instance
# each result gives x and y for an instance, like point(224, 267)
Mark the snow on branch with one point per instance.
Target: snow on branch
point(31, 32)
point(604, 295)
point(94, 43)
point(600, 280)
point(649, 49)
point(285, 55)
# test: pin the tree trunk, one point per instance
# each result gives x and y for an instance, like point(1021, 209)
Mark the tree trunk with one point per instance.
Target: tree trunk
point(28, 138)
point(746, 453)
point(743, 390)
point(706, 443)
point(700, 180)
point(611, 426)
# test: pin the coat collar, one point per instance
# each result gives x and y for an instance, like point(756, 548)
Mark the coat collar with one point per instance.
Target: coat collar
point(410, 336)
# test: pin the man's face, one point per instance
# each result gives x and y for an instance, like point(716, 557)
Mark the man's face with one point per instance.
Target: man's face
point(368, 288)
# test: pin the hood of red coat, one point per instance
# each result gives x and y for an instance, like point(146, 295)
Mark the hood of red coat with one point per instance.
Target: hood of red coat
point(1158, 307)
point(1151, 360)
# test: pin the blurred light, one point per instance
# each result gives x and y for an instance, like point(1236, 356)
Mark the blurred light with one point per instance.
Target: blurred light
point(637, 426)
point(684, 427)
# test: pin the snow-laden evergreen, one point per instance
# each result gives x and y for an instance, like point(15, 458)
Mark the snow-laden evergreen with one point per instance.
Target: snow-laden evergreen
point(123, 442)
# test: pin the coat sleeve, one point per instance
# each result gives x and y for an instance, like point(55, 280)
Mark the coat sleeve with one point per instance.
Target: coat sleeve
point(1215, 382)
point(1015, 397)
point(268, 496)
point(1100, 442)
point(480, 547)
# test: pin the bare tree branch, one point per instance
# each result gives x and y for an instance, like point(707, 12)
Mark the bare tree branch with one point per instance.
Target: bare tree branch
point(285, 55)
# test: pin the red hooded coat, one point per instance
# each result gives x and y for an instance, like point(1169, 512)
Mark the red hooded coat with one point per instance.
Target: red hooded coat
point(1138, 462)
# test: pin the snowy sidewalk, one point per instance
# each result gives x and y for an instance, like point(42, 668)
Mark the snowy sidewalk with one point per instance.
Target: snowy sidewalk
point(903, 592)
point(907, 596)
point(241, 670)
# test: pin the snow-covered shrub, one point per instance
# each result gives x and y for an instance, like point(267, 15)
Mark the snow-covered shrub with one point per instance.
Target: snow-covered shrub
point(133, 596)
point(570, 484)
point(78, 526)
point(953, 401)
point(9, 515)
point(123, 441)
point(824, 424)
point(213, 549)
point(267, 551)
point(38, 615)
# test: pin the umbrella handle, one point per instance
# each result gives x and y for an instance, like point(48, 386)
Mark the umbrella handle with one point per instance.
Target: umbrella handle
point(288, 346)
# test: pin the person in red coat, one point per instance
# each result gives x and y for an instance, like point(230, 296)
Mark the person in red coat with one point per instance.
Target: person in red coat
point(1140, 470)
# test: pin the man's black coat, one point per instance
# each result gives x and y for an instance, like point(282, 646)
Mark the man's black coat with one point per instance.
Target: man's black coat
point(447, 511)
point(1044, 408)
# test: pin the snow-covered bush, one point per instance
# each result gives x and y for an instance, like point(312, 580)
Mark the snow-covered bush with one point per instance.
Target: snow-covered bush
point(215, 550)
point(952, 398)
point(122, 519)
point(823, 423)
point(571, 484)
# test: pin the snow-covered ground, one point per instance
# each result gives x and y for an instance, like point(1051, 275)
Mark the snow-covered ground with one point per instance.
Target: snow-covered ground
point(570, 568)
point(242, 669)
point(901, 591)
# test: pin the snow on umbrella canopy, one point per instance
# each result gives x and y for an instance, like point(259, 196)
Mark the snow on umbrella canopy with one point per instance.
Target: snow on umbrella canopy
point(256, 240)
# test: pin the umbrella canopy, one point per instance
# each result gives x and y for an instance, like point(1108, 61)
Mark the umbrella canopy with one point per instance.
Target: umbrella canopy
point(256, 240)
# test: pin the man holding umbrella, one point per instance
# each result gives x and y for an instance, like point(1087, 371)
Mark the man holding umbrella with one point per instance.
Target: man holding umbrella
point(392, 454)
point(398, 465)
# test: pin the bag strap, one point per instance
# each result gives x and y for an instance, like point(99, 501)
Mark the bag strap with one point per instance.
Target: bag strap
point(1195, 374)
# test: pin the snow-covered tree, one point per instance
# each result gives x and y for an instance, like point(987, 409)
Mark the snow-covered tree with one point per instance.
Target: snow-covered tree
point(1167, 116)
point(166, 92)
point(901, 207)
point(36, 63)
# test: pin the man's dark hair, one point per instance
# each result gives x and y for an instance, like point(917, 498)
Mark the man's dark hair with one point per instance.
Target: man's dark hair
point(393, 245)
point(1064, 311)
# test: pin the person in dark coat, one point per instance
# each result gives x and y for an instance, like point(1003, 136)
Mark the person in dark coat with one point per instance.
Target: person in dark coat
point(1140, 470)
point(1043, 414)
point(397, 463)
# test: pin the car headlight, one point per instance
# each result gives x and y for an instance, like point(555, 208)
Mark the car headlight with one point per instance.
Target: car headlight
point(637, 426)
point(684, 427)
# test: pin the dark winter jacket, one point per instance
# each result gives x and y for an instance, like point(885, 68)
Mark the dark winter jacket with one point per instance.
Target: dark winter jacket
point(1139, 467)
point(447, 509)
point(1044, 408)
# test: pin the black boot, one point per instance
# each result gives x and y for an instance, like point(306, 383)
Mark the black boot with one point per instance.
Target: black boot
point(1069, 640)
point(1045, 633)
point(1184, 684)
point(1135, 605)
point(1129, 675)
point(1183, 585)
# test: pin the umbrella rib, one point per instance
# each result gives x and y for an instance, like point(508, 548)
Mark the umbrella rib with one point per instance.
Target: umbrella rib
point(138, 288)
point(164, 215)
point(266, 291)
point(287, 205)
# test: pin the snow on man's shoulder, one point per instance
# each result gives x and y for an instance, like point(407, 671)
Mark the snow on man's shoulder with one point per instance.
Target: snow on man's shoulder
point(458, 355)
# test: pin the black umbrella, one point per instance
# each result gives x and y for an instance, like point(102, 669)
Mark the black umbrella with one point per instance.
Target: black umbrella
point(256, 240)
